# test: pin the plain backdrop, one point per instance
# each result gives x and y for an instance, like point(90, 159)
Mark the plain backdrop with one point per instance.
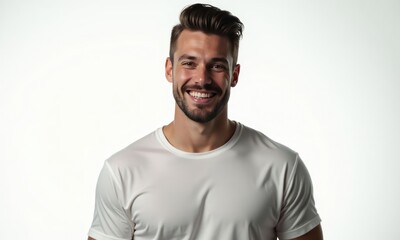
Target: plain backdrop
point(79, 80)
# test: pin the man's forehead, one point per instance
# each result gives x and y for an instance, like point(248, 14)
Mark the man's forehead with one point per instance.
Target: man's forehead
point(194, 43)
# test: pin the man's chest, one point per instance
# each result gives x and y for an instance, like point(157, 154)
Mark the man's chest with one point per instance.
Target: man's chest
point(175, 200)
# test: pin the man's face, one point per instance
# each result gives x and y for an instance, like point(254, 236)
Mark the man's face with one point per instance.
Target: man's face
point(202, 74)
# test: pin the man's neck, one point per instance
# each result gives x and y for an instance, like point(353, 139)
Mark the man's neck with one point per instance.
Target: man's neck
point(191, 136)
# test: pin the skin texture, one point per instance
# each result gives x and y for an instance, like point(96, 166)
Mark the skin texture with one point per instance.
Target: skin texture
point(203, 63)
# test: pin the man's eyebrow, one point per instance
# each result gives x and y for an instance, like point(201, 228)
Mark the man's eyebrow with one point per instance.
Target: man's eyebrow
point(216, 59)
point(221, 59)
point(186, 56)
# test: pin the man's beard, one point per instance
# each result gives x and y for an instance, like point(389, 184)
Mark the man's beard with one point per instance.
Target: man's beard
point(200, 114)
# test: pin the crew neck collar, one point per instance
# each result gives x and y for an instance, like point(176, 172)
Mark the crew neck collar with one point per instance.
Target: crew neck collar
point(202, 155)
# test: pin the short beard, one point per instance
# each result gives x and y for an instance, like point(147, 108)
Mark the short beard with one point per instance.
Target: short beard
point(200, 116)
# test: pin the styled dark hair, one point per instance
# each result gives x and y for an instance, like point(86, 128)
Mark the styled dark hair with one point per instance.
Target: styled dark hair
point(208, 19)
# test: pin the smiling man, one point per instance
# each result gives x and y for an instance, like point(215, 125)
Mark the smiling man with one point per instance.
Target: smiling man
point(204, 176)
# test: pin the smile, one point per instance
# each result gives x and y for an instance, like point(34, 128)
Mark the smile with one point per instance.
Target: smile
point(202, 95)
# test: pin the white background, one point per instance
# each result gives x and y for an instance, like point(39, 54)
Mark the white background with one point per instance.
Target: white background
point(80, 80)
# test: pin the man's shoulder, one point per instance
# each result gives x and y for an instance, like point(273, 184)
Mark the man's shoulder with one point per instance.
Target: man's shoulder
point(135, 151)
point(267, 155)
point(258, 139)
point(266, 148)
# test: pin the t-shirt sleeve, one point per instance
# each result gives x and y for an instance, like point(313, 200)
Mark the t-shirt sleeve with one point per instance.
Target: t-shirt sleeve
point(110, 220)
point(298, 212)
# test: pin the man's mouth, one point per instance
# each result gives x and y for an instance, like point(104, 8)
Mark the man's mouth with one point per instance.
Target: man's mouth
point(201, 95)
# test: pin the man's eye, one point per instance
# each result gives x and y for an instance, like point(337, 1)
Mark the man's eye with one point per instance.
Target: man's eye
point(218, 67)
point(188, 64)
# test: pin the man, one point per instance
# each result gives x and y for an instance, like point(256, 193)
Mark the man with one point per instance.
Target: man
point(203, 176)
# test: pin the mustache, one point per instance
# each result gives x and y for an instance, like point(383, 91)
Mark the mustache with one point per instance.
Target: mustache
point(207, 87)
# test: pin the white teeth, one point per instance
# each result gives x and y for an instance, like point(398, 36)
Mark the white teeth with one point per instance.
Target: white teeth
point(200, 95)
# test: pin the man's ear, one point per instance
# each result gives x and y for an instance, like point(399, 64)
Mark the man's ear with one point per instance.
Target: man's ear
point(235, 77)
point(168, 69)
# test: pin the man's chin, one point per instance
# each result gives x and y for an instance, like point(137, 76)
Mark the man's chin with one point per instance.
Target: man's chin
point(200, 116)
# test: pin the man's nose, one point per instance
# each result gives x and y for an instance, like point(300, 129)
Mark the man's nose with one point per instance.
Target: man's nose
point(203, 76)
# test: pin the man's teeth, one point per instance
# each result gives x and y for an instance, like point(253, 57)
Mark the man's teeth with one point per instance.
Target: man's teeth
point(200, 95)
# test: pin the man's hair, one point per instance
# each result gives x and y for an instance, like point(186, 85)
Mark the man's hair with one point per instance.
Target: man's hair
point(210, 20)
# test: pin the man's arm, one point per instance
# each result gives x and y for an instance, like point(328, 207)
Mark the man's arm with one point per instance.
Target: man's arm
point(109, 218)
point(314, 234)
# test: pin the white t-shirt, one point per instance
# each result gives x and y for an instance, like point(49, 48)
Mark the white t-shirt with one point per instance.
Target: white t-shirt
point(249, 188)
